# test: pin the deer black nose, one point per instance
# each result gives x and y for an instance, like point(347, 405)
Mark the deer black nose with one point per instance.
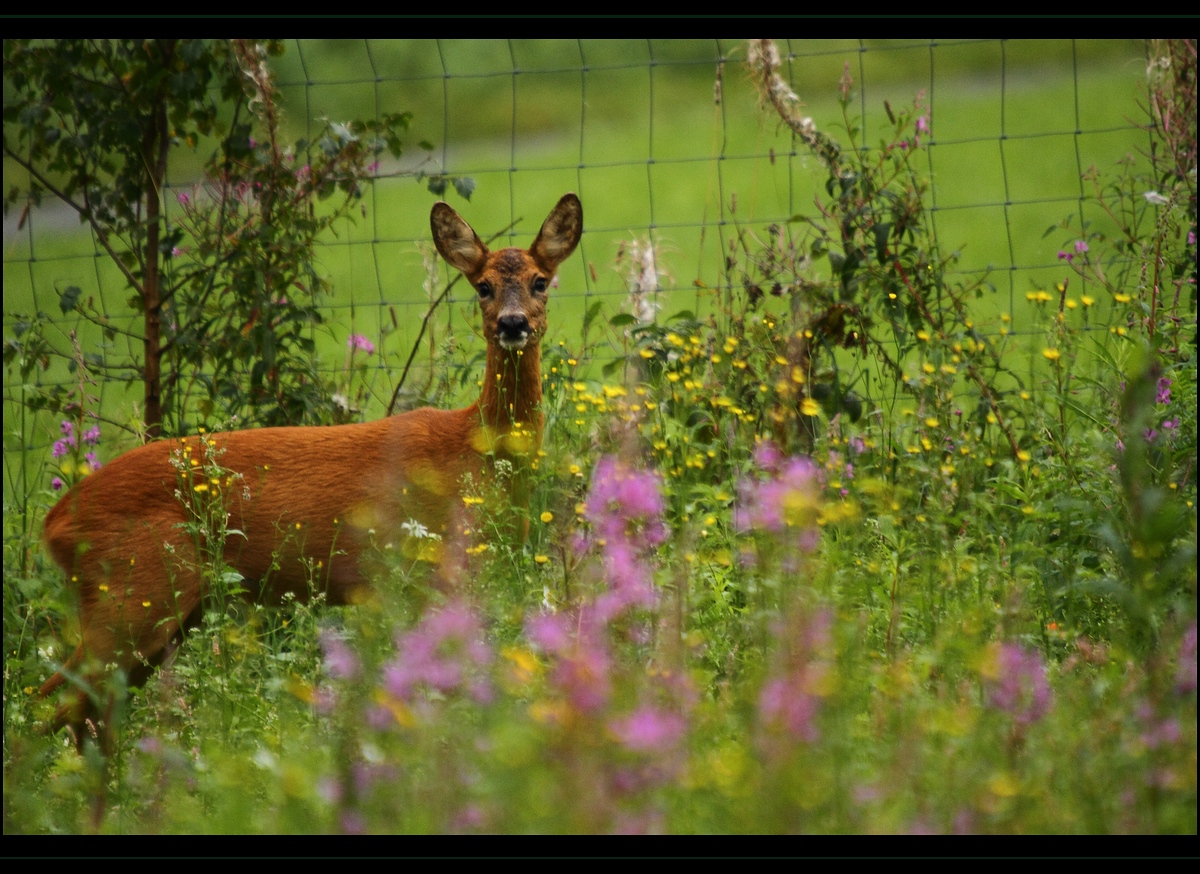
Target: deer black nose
point(513, 328)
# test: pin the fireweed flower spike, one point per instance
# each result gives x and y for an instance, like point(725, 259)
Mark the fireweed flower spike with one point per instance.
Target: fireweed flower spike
point(1016, 683)
point(786, 503)
point(1163, 394)
point(341, 662)
point(791, 697)
point(650, 729)
point(625, 509)
point(621, 494)
point(582, 662)
point(444, 653)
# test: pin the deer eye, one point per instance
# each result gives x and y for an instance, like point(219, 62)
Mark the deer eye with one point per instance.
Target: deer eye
point(539, 285)
point(484, 289)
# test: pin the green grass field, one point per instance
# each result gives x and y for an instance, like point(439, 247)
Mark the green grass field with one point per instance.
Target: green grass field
point(704, 159)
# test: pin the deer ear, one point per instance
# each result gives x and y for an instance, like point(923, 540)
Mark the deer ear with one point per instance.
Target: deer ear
point(559, 234)
point(456, 241)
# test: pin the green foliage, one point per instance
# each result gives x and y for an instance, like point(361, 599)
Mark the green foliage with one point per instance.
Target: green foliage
point(245, 289)
point(226, 290)
point(88, 118)
point(92, 123)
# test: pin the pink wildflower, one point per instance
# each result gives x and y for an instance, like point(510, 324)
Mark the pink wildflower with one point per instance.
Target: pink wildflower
point(1185, 674)
point(649, 729)
point(1019, 685)
point(341, 662)
point(443, 653)
point(625, 508)
point(582, 662)
point(1163, 395)
point(790, 697)
point(787, 502)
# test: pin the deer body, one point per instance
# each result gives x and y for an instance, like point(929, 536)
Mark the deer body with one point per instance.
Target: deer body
point(307, 505)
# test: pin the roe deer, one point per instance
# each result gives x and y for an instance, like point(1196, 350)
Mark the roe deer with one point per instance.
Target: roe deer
point(306, 494)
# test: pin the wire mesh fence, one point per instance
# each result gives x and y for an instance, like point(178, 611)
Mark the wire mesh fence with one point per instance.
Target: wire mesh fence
point(670, 151)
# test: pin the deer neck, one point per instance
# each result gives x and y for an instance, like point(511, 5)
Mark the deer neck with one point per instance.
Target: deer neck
point(512, 395)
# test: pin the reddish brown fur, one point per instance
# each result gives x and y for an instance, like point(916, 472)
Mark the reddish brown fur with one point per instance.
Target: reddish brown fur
point(321, 494)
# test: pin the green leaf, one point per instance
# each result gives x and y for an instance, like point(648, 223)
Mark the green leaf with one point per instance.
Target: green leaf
point(69, 298)
point(465, 186)
point(590, 315)
point(882, 230)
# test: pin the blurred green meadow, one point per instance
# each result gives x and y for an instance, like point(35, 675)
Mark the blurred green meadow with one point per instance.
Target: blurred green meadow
point(640, 137)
